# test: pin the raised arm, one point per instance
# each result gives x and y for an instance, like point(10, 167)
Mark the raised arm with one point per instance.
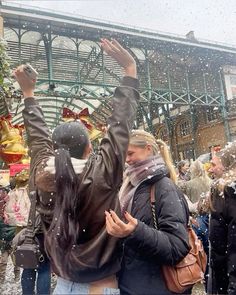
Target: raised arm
point(122, 56)
point(111, 156)
point(113, 147)
point(38, 135)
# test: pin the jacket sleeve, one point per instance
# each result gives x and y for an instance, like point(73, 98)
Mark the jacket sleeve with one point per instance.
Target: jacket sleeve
point(230, 217)
point(113, 148)
point(218, 238)
point(168, 244)
point(38, 136)
point(192, 206)
point(111, 156)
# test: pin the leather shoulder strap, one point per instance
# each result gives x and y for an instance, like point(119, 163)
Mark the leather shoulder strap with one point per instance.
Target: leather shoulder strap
point(32, 216)
point(152, 194)
point(153, 205)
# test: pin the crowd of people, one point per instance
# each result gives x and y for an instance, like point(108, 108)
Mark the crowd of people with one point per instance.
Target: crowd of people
point(94, 216)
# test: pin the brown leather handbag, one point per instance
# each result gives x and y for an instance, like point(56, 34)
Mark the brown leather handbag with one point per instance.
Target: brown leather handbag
point(190, 270)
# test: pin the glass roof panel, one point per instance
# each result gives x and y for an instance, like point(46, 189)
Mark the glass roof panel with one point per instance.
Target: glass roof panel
point(10, 35)
point(31, 37)
point(63, 43)
point(86, 46)
point(138, 53)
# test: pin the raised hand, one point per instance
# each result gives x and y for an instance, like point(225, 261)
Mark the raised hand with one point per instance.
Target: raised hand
point(121, 55)
point(27, 85)
point(117, 228)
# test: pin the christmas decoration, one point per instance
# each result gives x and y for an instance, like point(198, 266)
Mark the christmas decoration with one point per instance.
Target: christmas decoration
point(11, 143)
point(83, 116)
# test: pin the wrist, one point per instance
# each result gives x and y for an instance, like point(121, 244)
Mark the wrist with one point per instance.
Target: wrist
point(131, 71)
point(28, 93)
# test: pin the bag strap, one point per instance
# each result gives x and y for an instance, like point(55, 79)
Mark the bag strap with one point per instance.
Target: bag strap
point(153, 205)
point(30, 233)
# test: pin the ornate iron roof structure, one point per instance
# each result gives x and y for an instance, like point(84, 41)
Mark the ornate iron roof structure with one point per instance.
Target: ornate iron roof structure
point(75, 73)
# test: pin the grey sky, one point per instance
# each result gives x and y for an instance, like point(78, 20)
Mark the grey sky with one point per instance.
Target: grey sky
point(210, 19)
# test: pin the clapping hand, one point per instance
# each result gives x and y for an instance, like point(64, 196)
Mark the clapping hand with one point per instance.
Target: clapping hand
point(121, 55)
point(117, 228)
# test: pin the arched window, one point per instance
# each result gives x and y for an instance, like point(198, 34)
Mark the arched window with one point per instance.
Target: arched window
point(162, 134)
point(185, 128)
point(212, 114)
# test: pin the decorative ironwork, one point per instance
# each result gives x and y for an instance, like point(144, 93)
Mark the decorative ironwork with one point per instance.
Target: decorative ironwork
point(75, 72)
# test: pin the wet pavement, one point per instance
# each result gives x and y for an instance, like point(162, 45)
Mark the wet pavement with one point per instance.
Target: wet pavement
point(198, 290)
point(10, 286)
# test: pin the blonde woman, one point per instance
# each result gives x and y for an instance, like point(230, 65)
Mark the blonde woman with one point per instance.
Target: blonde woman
point(199, 184)
point(146, 249)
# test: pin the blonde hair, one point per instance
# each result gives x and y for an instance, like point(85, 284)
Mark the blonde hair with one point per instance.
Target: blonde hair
point(141, 138)
point(197, 170)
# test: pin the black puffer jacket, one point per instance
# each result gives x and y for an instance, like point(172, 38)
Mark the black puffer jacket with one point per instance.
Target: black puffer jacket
point(147, 248)
point(223, 240)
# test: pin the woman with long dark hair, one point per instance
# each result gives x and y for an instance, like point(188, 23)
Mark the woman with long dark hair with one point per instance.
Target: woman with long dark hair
point(73, 193)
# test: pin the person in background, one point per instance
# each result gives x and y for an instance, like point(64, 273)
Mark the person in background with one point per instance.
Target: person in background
point(222, 229)
point(75, 186)
point(7, 233)
point(17, 207)
point(17, 212)
point(39, 279)
point(145, 248)
point(197, 189)
point(183, 170)
point(199, 183)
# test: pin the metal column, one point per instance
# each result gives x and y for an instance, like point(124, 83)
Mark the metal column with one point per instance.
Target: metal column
point(148, 115)
point(192, 114)
point(223, 109)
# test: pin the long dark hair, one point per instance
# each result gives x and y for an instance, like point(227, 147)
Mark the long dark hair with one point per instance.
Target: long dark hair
point(69, 139)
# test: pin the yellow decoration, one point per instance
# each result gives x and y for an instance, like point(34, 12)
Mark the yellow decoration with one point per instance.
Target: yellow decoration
point(83, 116)
point(11, 143)
point(9, 135)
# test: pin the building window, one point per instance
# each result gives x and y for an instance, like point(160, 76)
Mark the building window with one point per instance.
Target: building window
point(187, 153)
point(212, 114)
point(233, 85)
point(185, 128)
point(233, 79)
point(163, 134)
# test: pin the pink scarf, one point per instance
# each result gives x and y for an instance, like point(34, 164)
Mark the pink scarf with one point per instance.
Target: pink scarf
point(134, 175)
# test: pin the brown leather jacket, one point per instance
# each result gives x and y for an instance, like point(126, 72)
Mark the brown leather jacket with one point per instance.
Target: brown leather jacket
point(96, 255)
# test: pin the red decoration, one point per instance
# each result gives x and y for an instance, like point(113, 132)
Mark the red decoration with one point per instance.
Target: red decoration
point(82, 116)
point(16, 168)
point(11, 158)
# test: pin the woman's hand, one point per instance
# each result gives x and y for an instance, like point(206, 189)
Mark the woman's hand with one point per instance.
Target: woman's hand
point(193, 221)
point(117, 228)
point(26, 84)
point(121, 55)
